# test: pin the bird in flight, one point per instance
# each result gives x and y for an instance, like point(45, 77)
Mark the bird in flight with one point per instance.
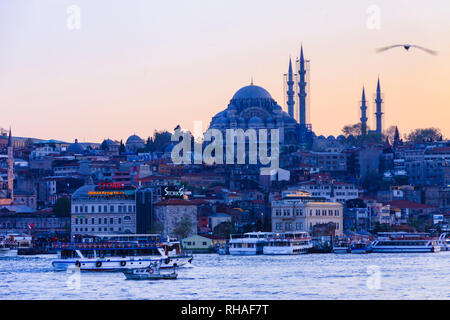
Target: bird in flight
point(407, 47)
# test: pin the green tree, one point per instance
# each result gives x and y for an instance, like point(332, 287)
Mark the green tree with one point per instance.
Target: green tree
point(184, 227)
point(424, 135)
point(62, 207)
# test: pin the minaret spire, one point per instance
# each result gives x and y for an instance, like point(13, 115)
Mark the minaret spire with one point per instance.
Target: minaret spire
point(379, 113)
point(10, 167)
point(302, 89)
point(290, 92)
point(363, 114)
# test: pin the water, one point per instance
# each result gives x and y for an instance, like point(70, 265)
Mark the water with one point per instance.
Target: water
point(211, 276)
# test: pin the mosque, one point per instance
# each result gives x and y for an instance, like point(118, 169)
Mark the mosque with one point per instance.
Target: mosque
point(252, 107)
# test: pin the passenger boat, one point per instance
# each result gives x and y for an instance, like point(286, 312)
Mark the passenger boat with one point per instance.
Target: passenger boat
point(403, 242)
point(120, 252)
point(288, 243)
point(360, 247)
point(152, 272)
point(250, 243)
point(341, 247)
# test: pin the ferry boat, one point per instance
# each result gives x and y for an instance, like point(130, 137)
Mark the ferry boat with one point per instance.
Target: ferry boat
point(403, 242)
point(360, 247)
point(120, 252)
point(288, 243)
point(250, 243)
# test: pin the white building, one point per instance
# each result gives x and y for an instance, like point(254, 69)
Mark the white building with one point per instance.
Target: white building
point(302, 215)
point(102, 211)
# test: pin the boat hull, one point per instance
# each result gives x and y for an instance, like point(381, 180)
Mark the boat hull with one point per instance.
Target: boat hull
point(405, 249)
point(117, 265)
point(285, 250)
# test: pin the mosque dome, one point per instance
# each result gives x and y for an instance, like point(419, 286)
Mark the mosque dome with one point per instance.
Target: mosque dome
point(75, 148)
point(109, 142)
point(134, 139)
point(251, 92)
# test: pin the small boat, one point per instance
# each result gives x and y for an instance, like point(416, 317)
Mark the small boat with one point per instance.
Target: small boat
point(223, 250)
point(341, 247)
point(360, 247)
point(153, 272)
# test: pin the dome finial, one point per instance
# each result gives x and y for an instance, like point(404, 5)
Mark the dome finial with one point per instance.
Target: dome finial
point(251, 83)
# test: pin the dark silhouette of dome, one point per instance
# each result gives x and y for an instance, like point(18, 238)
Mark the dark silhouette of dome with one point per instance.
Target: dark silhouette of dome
point(252, 92)
point(75, 148)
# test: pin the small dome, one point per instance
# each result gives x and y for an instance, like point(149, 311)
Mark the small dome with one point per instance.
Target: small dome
point(341, 137)
point(134, 139)
point(75, 148)
point(82, 192)
point(255, 120)
point(331, 138)
point(109, 142)
point(251, 92)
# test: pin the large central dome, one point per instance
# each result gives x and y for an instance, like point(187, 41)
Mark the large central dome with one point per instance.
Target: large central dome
point(252, 92)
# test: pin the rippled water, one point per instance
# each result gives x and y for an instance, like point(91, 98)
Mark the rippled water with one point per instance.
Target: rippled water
point(211, 276)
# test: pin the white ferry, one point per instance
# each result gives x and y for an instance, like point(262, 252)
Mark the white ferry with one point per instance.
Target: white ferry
point(120, 252)
point(288, 243)
point(403, 242)
point(250, 243)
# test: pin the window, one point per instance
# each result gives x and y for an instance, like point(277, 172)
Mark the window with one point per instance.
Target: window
point(111, 221)
point(81, 209)
point(111, 208)
point(105, 208)
point(93, 221)
point(204, 243)
point(105, 221)
point(99, 208)
point(92, 209)
point(76, 209)
point(76, 220)
point(120, 220)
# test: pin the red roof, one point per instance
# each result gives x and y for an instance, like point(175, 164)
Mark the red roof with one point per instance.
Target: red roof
point(405, 204)
point(180, 202)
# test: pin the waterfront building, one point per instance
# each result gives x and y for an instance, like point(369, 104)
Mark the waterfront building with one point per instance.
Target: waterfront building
point(302, 213)
point(95, 211)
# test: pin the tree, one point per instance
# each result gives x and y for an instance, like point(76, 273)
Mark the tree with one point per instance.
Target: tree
point(424, 135)
point(352, 130)
point(161, 139)
point(184, 227)
point(224, 229)
point(390, 133)
point(62, 207)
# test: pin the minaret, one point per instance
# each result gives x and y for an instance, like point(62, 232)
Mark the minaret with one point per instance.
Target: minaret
point(10, 167)
point(363, 114)
point(378, 113)
point(290, 92)
point(302, 90)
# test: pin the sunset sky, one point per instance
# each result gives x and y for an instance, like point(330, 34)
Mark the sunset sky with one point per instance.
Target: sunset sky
point(139, 65)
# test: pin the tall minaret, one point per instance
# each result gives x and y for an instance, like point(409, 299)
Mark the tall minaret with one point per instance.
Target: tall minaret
point(10, 167)
point(290, 92)
point(302, 89)
point(363, 114)
point(379, 113)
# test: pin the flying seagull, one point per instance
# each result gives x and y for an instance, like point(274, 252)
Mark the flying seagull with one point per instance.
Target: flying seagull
point(407, 47)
